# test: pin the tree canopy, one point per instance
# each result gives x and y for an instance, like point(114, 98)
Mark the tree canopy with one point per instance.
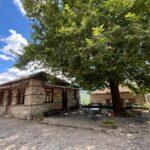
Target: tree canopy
point(91, 41)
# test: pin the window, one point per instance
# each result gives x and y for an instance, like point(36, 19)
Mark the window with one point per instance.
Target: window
point(49, 96)
point(131, 100)
point(108, 101)
point(1, 98)
point(21, 96)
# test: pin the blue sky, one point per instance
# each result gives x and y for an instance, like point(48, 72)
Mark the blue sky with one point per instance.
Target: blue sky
point(14, 31)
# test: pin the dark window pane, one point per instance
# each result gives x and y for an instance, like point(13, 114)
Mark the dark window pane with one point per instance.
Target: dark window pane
point(75, 94)
point(49, 96)
point(21, 96)
point(1, 98)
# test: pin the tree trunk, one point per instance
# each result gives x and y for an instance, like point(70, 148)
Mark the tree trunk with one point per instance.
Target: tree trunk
point(116, 99)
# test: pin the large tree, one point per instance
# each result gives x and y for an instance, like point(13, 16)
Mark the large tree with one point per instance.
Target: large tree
point(98, 43)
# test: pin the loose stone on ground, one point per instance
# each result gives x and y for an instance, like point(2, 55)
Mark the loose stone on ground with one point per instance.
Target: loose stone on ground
point(20, 134)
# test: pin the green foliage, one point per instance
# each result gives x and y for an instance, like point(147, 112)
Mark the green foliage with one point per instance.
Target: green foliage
point(108, 121)
point(146, 106)
point(85, 98)
point(92, 41)
point(97, 31)
point(85, 102)
point(38, 116)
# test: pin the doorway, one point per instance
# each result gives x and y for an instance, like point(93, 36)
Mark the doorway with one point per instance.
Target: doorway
point(64, 99)
point(9, 100)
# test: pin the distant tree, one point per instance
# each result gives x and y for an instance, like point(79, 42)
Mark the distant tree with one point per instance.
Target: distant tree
point(99, 43)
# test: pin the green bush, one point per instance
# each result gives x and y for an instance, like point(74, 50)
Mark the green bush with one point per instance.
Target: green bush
point(85, 98)
point(85, 102)
point(146, 106)
point(38, 116)
point(108, 123)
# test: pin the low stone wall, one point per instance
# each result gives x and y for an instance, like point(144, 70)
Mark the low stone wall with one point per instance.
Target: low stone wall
point(2, 110)
point(27, 112)
point(20, 111)
point(39, 108)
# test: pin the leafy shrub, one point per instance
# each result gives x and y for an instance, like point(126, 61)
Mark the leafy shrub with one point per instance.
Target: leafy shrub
point(108, 123)
point(85, 102)
point(146, 106)
point(38, 116)
point(85, 98)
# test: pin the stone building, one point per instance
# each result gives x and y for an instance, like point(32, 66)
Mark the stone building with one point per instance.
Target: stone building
point(104, 96)
point(27, 96)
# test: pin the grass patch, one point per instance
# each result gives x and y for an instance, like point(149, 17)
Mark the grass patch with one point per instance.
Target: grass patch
point(108, 123)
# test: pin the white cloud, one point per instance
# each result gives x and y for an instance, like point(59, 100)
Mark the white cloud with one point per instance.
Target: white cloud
point(33, 67)
point(18, 3)
point(14, 73)
point(5, 57)
point(13, 43)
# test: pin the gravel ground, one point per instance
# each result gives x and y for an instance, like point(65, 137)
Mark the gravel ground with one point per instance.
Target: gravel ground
point(27, 135)
point(78, 119)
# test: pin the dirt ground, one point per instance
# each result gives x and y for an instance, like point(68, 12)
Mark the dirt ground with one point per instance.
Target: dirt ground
point(78, 119)
point(27, 135)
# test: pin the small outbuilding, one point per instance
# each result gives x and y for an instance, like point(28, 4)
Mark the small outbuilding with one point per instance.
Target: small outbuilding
point(39, 92)
point(104, 96)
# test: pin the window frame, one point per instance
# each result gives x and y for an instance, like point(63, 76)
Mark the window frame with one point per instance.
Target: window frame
point(21, 95)
point(49, 95)
point(108, 101)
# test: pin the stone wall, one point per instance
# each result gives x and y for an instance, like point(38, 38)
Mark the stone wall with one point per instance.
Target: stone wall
point(2, 110)
point(35, 100)
point(20, 111)
point(36, 96)
point(101, 98)
point(147, 97)
point(35, 93)
point(27, 112)
point(140, 99)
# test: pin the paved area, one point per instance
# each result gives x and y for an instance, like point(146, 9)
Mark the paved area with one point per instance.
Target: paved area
point(27, 135)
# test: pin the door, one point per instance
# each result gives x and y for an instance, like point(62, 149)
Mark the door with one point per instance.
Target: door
point(9, 98)
point(64, 99)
